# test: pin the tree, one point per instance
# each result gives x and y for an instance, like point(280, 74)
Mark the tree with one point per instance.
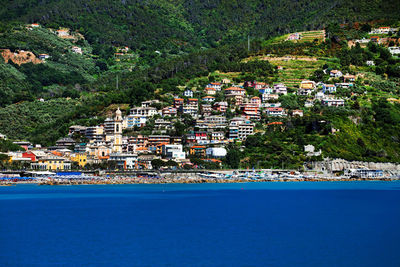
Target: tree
point(157, 163)
point(232, 158)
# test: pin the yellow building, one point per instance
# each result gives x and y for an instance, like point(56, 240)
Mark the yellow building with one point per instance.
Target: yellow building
point(51, 163)
point(79, 158)
point(307, 85)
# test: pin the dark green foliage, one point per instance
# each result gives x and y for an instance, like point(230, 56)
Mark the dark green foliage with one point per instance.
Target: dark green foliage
point(6, 145)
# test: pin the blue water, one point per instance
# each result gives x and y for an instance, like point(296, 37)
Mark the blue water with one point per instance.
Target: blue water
point(269, 224)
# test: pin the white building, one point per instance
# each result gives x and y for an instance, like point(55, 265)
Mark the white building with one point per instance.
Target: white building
point(145, 111)
point(332, 102)
point(216, 152)
point(174, 152)
point(188, 93)
point(394, 50)
point(240, 128)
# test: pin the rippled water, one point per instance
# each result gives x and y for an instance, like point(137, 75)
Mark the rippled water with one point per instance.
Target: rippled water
point(257, 224)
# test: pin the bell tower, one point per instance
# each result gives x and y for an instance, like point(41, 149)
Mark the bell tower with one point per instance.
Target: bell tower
point(117, 147)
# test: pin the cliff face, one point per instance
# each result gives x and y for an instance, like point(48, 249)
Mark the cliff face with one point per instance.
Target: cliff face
point(20, 57)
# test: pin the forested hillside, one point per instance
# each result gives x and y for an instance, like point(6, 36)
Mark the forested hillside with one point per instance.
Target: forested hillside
point(173, 45)
point(180, 25)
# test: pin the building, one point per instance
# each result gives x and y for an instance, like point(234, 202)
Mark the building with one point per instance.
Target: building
point(250, 111)
point(52, 163)
point(266, 90)
point(206, 109)
point(310, 151)
point(268, 97)
point(124, 161)
point(329, 88)
point(332, 102)
point(240, 128)
point(255, 101)
point(216, 85)
point(297, 112)
point(280, 89)
point(189, 109)
point(174, 152)
point(336, 73)
point(135, 121)
point(375, 39)
point(80, 158)
point(220, 106)
point(198, 151)
point(148, 103)
point(143, 111)
point(169, 111)
point(77, 129)
point(216, 152)
point(306, 88)
point(370, 63)
point(95, 133)
point(394, 51)
point(178, 102)
point(217, 136)
point(43, 56)
point(163, 125)
point(235, 94)
point(65, 142)
point(117, 145)
point(77, 50)
point(188, 93)
point(209, 99)
point(308, 85)
point(157, 140)
point(275, 112)
point(349, 78)
point(3, 136)
point(210, 91)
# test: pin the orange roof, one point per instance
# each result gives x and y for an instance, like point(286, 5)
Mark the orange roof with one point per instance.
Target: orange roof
point(234, 89)
point(210, 88)
point(198, 147)
point(141, 148)
point(178, 99)
point(216, 83)
point(275, 123)
point(255, 97)
point(56, 153)
point(193, 99)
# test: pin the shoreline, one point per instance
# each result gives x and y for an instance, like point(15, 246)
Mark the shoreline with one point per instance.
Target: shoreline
point(121, 181)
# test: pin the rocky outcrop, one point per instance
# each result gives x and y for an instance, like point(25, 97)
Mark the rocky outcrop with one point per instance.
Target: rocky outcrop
point(19, 57)
point(336, 165)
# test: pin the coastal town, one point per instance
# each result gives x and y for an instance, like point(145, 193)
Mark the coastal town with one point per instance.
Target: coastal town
point(193, 129)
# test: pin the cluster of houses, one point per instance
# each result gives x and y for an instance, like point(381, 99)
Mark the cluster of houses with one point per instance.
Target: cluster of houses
point(63, 33)
point(217, 122)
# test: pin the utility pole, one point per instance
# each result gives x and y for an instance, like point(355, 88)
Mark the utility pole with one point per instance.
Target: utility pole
point(117, 82)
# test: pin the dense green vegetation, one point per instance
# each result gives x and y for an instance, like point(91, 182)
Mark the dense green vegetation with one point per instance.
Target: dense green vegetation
point(174, 42)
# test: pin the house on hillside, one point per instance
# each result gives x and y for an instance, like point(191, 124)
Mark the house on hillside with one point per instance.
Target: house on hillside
point(349, 78)
point(210, 91)
point(336, 73)
point(188, 93)
point(329, 88)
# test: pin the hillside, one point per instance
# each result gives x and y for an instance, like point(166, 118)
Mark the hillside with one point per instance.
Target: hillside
point(166, 24)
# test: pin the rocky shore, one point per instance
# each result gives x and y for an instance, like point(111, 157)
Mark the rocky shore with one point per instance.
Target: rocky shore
point(196, 181)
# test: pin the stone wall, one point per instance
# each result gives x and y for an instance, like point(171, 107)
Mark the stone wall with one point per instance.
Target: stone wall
point(336, 165)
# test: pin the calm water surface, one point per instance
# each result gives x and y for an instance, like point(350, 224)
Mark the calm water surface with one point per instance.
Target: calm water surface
point(268, 224)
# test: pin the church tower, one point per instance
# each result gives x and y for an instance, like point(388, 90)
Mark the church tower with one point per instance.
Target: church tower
point(117, 147)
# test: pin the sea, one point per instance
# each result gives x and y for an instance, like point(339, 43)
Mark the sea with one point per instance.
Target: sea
point(249, 224)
